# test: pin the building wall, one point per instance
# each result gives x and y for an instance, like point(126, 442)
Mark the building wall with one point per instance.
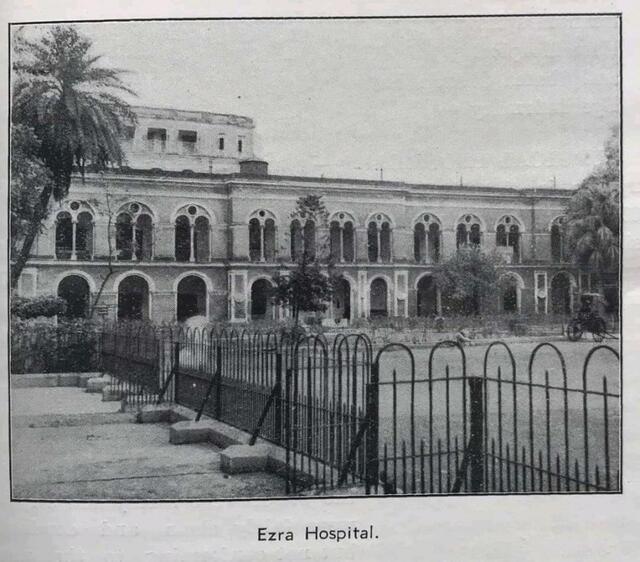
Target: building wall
point(229, 202)
point(229, 196)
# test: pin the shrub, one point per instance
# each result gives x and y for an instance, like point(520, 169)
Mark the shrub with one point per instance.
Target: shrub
point(40, 347)
point(47, 306)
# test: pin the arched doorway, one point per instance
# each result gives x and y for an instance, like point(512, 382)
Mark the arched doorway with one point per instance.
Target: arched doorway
point(261, 306)
point(342, 301)
point(75, 290)
point(378, 306)
point(427, 296)
point(509, 294)
point(561, 293)
point(133, 299)
point(192, 298)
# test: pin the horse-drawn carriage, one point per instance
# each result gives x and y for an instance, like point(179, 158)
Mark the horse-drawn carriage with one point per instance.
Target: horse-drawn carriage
point(589, 318)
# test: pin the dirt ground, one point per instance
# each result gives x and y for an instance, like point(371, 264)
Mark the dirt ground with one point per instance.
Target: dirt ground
point(101, 455)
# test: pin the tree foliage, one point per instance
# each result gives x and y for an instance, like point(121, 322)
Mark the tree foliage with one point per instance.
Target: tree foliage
point(466, 278)
point(28, 177)
point(66, 112)
point(593, 213)
point(72, 104)
point(306, 287)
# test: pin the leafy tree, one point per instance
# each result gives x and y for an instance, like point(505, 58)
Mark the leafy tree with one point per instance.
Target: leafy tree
point(306, 287)
point(28, 177)
point(466, 278)
point(593, 214)
point(74, 108)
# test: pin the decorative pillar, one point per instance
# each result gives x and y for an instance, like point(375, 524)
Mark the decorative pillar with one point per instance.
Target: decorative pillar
point(261, 242)
point(74, 224)
point(192, 256)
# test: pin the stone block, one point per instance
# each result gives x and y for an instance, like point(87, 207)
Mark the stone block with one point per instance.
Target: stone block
point(68, 379)
point(111, 393)
point(34, 380)
point(154, 414)
point(84, 377)
point(189, 432)
point(244, 458)
point(98, 383)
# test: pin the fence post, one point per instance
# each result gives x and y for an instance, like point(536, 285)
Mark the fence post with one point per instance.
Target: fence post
point(176, 369)
point(371, 463)
point(278, 404)
point(218, 377)
point(476, 434)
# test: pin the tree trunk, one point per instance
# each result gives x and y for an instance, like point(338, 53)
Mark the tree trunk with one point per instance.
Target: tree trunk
point(34, 228)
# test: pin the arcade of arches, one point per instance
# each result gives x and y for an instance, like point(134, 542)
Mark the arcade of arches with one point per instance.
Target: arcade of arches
point(192, 294)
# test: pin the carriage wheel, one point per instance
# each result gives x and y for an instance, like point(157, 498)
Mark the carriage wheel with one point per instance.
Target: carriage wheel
point(599, 330)
point(574, 330)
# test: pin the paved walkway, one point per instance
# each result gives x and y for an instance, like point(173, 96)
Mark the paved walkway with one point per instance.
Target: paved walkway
point(56, 456)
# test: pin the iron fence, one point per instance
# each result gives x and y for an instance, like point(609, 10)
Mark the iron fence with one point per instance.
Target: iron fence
point(466, 420)
point(449, 433)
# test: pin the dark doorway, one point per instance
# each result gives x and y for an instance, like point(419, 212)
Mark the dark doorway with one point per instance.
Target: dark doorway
point(378, 298)
point(192, 298)
point(342, 301)
point(427, 297)
point(133, 299)
point(510, 297)
point(261, 300)
point(75, 290)
point(561, 294)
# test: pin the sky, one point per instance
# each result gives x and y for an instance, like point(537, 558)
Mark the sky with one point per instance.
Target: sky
point(479, 101)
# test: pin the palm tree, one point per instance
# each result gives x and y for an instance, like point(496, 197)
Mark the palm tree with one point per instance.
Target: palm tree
point(593, 220)
point(593, 226)
point(75, 110)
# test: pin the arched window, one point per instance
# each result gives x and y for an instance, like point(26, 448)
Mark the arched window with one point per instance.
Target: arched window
point(508, 239)
point(557, 240)
point(192, 234)
point(74, 232)
point(296, 240)
point(262, 236)
point(309, 234)
point(342, 238)
point(75, 290)
point(427, 239)
point(64, 236)
point(134, 232)
point(379, 239)
point(468, 231)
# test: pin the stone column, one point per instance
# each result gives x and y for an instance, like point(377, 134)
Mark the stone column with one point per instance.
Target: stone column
point(362, 254)
point(448, 244)
point(101, 237)
point(164, 241)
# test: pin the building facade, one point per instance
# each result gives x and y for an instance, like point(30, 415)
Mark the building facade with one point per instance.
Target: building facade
point(195, 225)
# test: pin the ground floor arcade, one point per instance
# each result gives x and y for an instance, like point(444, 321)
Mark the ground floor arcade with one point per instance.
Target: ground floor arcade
point(240, 294)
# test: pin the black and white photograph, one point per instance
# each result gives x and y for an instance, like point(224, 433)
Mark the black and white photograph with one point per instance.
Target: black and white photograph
point(303, 258)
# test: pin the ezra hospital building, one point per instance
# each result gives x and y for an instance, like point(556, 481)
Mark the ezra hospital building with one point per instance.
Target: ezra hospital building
point(195, 225)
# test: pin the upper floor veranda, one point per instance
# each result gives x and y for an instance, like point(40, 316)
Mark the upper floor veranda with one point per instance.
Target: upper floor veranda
point(247, 218)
